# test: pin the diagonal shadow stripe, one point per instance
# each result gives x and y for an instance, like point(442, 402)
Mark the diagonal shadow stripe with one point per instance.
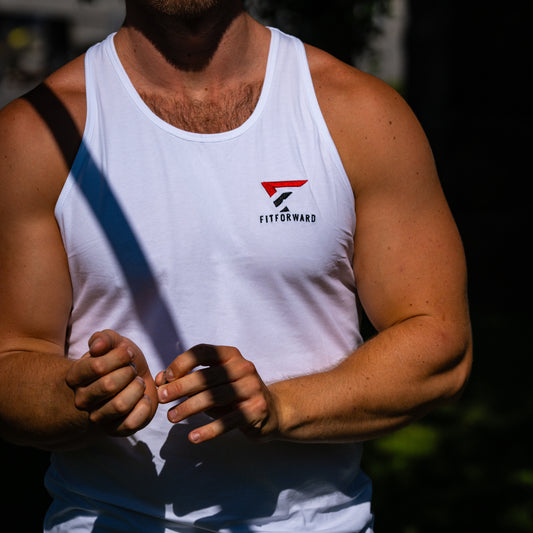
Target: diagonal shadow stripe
point(155, 317)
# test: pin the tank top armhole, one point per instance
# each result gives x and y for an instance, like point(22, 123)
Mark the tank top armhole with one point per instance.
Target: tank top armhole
point(319, 117)
point(87, 133)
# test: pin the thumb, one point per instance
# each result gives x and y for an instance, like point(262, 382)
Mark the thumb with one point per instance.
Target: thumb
point(101, 342)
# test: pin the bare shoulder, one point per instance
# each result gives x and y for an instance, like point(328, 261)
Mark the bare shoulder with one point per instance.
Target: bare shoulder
point(68, 84)
point(409, 258)
point(40, 133)
point(370, 122)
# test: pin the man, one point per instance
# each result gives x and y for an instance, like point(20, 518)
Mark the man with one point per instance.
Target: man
point(199, 183)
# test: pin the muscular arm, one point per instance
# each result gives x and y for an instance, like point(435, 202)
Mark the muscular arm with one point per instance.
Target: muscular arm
point(47, 400)
point(410, 275)
point(35, 290)
point(411, 279)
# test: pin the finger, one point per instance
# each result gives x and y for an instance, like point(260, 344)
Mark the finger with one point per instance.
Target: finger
point(207, 354)
point(236, 369)
point(104, 341)
point(250, 416)
point(121, 404)
point(232, 420)
point(204, 401)
point(107, 386)
point(88, 369)
point(200, 355)
point(195, 382)
point(138, 418)
point(160, 379)
point(244, 392)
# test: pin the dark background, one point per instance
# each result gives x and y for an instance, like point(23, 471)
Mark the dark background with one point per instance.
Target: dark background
point(468, 82)
point(466, 467)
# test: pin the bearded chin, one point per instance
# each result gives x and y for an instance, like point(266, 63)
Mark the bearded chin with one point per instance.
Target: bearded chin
point(184, 8)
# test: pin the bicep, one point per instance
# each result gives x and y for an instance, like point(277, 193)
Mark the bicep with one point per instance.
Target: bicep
point(35, 286)
point(408, 255)
point(409, 259)
point(35, 291)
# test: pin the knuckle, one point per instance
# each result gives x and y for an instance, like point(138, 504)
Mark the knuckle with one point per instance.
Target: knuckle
point(254, 408)
point(80, 402)
point(97, 366)
point(251, 386)
point(95, 417)
point(107, 384)
point(175, 389)
point(120, 405)
point(71, 378)
point(234, 353)
point(247, 367)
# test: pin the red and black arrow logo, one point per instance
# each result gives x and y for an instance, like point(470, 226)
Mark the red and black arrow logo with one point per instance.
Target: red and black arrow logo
point(273, 188)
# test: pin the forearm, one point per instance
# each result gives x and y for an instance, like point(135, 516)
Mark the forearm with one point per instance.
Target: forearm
point(36, 405)
point(391, 380)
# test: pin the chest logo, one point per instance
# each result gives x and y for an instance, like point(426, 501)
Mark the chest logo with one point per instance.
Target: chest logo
point(279, 192)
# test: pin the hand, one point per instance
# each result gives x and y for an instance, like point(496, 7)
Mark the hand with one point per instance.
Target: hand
point(228, 388)
point(113, 384)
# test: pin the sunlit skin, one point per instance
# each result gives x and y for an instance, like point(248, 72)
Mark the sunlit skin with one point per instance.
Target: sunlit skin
point(409, 263)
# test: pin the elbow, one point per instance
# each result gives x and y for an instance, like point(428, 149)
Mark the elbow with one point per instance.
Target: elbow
point(456, 372)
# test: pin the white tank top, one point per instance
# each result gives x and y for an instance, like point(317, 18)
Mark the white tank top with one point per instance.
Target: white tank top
point(242, 238)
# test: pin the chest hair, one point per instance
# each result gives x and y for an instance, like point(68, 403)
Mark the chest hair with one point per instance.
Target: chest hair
point(229, 110)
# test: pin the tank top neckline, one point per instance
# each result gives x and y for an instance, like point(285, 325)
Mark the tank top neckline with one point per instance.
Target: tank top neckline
point(189, 135)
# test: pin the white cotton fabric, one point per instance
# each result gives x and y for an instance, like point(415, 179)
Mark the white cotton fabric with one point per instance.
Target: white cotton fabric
point(242, 238)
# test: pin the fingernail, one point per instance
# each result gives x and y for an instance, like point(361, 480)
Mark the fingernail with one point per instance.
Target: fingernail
point(162, 393)
point(169, 375)
point(93, 344)
point(195, 437)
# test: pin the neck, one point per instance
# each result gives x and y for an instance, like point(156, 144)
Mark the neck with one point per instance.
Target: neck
point(172, 51)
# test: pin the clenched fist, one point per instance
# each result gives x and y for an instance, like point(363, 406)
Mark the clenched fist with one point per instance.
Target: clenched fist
point(112, 382)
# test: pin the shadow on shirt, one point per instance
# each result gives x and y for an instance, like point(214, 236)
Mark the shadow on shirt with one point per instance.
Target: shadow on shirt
point(138, 273)
point(160, 326)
